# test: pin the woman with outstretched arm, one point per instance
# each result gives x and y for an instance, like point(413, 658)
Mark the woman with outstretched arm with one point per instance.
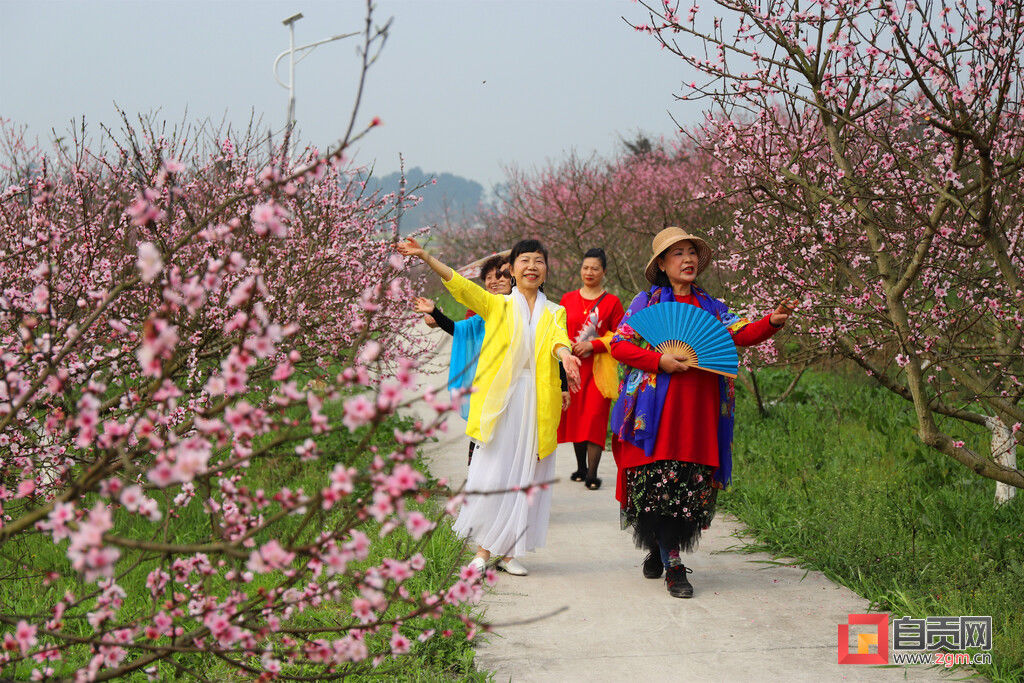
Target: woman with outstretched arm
point(467, 336)
point(515, 410)
point(672, 426)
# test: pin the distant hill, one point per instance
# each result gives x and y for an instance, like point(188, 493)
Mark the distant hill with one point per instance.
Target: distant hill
point(453, 195)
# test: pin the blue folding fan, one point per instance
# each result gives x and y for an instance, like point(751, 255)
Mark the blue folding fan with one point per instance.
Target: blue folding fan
point(688, 331)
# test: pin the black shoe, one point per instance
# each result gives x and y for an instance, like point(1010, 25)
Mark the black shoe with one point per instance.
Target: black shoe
point(593, 484)
point(677, 583)
point(652, 565)
point(578, 475)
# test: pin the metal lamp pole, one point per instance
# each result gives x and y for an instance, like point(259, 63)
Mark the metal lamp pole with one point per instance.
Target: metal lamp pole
point(292, 61)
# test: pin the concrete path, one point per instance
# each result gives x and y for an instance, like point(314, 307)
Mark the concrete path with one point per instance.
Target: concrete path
point(585, 612)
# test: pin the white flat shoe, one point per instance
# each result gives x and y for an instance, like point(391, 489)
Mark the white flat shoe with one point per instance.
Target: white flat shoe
point(480, 564)
point(512, 566)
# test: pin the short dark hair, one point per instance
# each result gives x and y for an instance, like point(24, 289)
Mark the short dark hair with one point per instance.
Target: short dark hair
point(493, 263)
point(598, 253)
point(527, 247)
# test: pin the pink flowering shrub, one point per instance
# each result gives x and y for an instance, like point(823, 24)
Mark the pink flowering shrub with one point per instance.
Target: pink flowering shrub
point(201, 464)
point(618, 204)
point(879, 145)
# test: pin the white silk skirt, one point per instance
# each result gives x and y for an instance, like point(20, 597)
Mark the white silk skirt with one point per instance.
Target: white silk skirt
point(497, 518)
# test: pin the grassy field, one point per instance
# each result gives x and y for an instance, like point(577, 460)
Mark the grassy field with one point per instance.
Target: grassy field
point(437, 659)
point(449, 306)
point(836, 478)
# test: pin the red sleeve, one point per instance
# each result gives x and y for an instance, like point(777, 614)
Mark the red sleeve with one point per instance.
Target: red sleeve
point(598, 346)
point(632, 355)
point(756, 332)
point(469, 314)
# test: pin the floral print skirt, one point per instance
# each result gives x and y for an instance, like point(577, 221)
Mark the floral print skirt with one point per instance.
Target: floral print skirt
point(669, 500)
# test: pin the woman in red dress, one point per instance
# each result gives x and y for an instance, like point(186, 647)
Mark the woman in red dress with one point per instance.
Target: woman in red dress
point(591, 313)
point(672, 424)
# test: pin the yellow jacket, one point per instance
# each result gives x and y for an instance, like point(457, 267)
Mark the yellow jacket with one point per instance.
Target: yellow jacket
point(493, 378)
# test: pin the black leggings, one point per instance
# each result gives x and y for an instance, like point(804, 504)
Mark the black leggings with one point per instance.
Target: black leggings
point(658, 532)
point(581, 456)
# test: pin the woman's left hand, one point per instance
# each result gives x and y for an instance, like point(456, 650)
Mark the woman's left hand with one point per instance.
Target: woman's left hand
point(572, 370)
point(582, 349)
point(423, 305)
point(566, 396)
point(410, 247)
point(782, 312)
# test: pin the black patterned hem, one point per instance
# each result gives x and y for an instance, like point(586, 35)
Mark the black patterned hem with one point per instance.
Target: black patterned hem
point(669, 499)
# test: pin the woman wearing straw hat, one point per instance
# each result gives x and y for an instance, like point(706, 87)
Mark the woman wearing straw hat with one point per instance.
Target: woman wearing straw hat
point(515, 409)
point(672, 426)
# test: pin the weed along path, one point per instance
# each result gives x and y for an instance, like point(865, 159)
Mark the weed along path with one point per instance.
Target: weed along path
point(585, 612)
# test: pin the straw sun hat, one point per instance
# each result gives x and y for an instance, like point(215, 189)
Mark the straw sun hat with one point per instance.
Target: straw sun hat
point(665, 239)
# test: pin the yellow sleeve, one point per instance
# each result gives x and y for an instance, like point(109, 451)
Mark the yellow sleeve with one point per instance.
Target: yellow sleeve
point(561, 337)
point(473, 296)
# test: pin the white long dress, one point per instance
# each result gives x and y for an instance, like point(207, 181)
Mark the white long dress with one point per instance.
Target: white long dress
point(511, 523)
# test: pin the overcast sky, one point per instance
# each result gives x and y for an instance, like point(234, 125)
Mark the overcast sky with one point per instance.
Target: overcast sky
point(466, 87)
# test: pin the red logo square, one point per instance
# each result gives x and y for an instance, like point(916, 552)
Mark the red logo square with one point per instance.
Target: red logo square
point(881, 639)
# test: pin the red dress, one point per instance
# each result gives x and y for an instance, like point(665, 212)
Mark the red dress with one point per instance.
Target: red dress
point(688, 427)
point(586, 419)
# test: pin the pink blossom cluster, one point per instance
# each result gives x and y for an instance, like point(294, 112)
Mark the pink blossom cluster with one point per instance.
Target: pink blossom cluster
point(162, 348)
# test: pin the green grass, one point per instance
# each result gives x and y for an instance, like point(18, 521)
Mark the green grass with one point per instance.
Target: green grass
point(23, 592)
point(449, 306)
point(836, 478)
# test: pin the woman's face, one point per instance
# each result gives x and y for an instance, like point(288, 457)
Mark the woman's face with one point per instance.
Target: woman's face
point(498, 280)
point(680, 263)
point(530, 270)
point(591, 272)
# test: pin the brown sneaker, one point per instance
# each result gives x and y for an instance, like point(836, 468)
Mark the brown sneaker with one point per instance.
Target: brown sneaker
point(677, 583)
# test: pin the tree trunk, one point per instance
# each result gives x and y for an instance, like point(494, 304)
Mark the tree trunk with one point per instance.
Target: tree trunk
point(789, 390)
point(752, 386)
point(1004, 452)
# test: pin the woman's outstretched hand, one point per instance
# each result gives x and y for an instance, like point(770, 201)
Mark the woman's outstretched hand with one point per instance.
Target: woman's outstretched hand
point(410, 247)
point(572, 370)
point(669, 363)
point(423, 305)
point(782, 312)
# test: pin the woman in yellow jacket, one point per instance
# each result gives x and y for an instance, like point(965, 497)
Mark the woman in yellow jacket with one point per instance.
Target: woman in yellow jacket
point(515, 406)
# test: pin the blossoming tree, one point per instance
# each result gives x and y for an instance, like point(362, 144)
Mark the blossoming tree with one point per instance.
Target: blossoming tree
point(618, 204)
point(179, 321)
point(881, 144)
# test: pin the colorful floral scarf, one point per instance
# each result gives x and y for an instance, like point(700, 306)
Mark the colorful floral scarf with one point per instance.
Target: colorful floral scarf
point(637, 412)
